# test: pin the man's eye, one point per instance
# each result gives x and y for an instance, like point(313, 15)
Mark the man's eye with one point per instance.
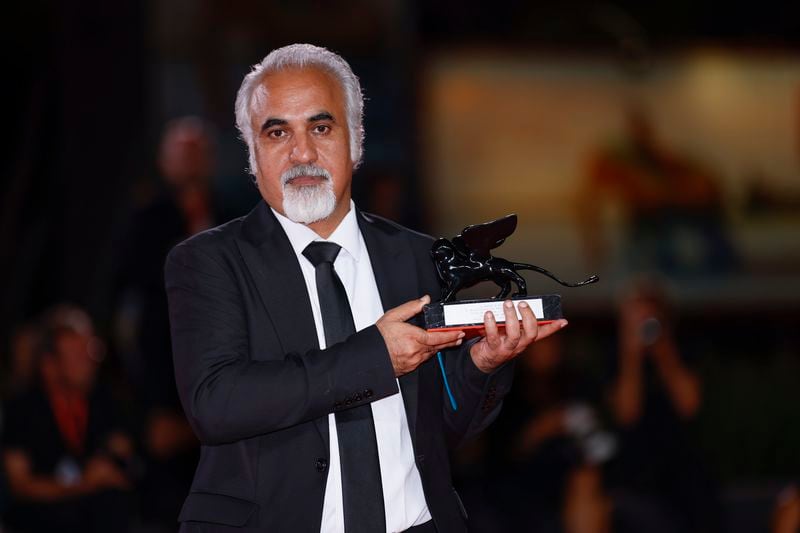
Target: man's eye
point(276, 134)
point(322, 128)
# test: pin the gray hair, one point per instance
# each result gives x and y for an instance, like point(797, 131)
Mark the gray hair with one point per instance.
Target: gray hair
point(301, 56)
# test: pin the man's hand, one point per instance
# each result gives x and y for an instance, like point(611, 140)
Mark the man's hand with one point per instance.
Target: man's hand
point(497, 348)
point(101, 473)
point(167, 434)
point(410, 346)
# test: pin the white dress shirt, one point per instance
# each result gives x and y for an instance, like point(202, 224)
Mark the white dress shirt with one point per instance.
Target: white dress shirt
point(403, 497)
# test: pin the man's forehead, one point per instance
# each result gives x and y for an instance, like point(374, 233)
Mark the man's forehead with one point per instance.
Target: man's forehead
point(293, 84)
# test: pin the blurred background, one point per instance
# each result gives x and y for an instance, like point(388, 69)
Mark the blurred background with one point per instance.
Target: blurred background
point(656, 144)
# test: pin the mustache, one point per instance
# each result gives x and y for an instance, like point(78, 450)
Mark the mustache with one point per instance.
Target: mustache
point(304, 170)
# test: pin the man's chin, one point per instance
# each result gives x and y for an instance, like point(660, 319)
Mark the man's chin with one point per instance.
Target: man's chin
point(306, 219)
point(307, 204)
point(307, 214)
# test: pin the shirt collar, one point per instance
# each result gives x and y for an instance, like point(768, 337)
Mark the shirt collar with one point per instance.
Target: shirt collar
point(346, 234)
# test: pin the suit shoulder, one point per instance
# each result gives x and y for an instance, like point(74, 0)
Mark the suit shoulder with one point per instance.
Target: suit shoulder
point(393, 228)
point(212, 242)
point(217, 236)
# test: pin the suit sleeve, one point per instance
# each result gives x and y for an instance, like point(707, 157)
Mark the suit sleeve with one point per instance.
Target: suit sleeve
point(229, 396)
point(479, 396)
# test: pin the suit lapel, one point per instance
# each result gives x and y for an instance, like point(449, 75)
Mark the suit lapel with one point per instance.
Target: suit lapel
point(269, 257)
point(273, 264)
point(396, 276)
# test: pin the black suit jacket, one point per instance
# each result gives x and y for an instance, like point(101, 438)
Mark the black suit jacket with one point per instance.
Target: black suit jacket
point(257, 389)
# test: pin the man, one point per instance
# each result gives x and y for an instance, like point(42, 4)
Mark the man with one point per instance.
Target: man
point(319, 410)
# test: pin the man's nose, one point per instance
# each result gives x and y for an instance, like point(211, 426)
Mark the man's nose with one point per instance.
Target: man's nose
point(303, 149)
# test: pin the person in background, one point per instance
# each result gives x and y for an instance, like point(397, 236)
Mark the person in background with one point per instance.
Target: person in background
point(552, 445)
point(647, 344)
point(658, 480)
point(186, 162)
point(65, 449)
point(672, 206)
point(182, 208)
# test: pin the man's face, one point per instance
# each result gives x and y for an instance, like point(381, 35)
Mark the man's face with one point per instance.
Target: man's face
point(73, 352)
point(302, 147)
point(186, 158)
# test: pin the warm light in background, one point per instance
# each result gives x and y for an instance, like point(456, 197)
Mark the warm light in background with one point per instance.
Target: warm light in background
point(514, 133)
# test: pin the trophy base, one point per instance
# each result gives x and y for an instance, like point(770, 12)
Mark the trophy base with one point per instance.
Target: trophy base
point(467, 315)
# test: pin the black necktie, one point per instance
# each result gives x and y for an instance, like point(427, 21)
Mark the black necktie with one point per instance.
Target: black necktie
point(358, 448)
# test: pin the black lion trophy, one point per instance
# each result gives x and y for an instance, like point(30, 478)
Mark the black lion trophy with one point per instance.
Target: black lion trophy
point(466, 260)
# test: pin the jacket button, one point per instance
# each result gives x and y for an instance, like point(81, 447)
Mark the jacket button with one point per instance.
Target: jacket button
point(368, 393)
point(357, 397)
point(321, 464)
point(348, 401)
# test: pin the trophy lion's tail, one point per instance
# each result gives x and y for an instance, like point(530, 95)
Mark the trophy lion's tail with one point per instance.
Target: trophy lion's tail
point(525, 266)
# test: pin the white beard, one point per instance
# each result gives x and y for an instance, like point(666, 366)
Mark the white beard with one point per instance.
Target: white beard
point(306, 204)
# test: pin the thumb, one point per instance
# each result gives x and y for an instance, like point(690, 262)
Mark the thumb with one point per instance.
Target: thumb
point(403, 312)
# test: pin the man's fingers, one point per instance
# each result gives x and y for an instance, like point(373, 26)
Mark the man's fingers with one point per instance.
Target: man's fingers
point(493, 339)
point(512, 324)
point(548, 329)
point(446, 346)
point(435, 338)
point(440, 347)
point(529, 322)
point(403, 312)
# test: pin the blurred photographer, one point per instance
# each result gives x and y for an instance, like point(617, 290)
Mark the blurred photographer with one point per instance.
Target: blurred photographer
point(66, 455)
point(647, 346)
point(548, 446)
point(659, 481)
